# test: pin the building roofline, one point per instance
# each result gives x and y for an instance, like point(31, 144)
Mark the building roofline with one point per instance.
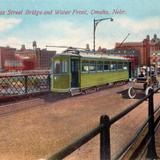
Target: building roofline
point(7, 47)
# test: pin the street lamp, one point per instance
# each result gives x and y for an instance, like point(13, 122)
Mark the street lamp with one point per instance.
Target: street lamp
point(96, 21)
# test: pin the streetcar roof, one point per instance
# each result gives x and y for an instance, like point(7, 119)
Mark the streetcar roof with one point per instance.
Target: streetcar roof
point(99, 55)
point(90, 54)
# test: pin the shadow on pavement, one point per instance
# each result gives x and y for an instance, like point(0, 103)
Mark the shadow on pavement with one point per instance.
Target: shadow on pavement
point(53, 97)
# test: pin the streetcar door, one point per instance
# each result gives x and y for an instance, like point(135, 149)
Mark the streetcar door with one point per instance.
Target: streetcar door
point(74, 73)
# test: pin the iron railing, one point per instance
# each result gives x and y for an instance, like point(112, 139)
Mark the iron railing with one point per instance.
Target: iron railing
point(104, 130)
point(18, 85)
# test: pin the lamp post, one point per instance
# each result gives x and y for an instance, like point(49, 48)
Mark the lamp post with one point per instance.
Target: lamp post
point(96, 21)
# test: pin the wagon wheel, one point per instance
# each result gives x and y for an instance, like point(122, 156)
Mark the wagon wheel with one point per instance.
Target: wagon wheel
point(148, 89)
point(131, 92)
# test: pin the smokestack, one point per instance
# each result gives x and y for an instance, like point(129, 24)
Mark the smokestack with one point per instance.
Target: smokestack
point(23, 47)
point(87, 47)
point(148, 37)
point(155, 37)
point(34, 44)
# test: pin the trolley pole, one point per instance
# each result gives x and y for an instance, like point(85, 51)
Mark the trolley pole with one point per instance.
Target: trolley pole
point(105, 146)
point(151, 154)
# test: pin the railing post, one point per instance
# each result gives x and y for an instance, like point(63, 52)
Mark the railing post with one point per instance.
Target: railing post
point(151, 154)
point(49, 81)
point(105, 149)
point(25, 84)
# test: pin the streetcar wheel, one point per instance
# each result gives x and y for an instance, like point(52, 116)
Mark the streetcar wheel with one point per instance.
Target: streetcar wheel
point(131, 92)
point(147, 90)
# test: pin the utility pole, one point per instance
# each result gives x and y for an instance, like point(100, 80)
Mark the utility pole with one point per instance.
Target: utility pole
point(95, 23)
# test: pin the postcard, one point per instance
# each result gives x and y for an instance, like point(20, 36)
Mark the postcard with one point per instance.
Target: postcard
point(79, 79)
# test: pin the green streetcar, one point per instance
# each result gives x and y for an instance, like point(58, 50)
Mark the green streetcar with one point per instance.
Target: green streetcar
point(76, 70)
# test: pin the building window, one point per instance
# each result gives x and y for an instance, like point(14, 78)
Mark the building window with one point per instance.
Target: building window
point(125, 66)
point(92, 66)
point(99, 66)
point(106, 66)
point(85, 66)
point(57, 67)
point(60, 66)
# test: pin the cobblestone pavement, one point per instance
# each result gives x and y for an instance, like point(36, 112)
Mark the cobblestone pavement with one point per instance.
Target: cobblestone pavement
point(39, 131)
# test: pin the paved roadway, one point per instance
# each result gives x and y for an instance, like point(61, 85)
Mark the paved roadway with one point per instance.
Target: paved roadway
point(37, 132)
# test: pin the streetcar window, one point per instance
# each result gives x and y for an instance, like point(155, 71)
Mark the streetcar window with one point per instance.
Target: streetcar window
point(85, 66)
point(125, 66)
point(120, 66)
point(57, 67)
point(92, 66)
point(64, 66)
point(60, 67)
point(113, 66)
point(99, 66)
point(106, 66)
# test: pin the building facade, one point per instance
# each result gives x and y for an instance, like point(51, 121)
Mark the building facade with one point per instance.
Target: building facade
point(132, 55)
point(44, 58)
point(25, 59)
point(155, 59)
point(29, 54)
point(6, 53)
point(40, 57)
point(144, 47)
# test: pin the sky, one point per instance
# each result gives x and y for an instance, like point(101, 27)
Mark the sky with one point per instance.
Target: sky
point(138, 18)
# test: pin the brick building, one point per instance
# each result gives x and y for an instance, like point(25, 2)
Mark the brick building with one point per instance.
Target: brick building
point(23, 59)
point(28, 53)
point(145, 48)
point(155, 58)
point(44, 58)
point(131, 54)
point(41, 57)
point(155, 44)
point(6, 53)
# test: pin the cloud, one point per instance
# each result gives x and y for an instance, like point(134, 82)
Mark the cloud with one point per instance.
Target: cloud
point(12, 42)
point(107, 33)
point(78, 34)
point(68, 29)
point(8, 23)
point(67, 33)
point(137, 26)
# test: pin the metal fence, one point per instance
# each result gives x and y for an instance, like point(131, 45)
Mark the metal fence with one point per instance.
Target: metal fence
point(104, 130)
point(17, 85)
